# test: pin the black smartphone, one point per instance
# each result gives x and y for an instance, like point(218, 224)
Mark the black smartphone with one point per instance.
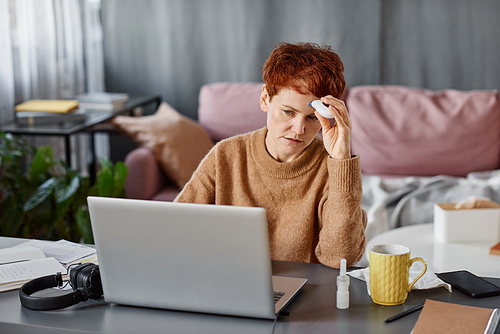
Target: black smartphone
point(469, 283)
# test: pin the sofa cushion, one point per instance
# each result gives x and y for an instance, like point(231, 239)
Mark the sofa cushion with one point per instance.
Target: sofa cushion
point(178, 142)
point(227, 109)
point(404, 131)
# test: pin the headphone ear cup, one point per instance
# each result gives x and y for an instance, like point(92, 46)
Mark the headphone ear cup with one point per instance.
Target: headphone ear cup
point(81, 278)
point(87, 280)
point(95, 288)
point(73, 275)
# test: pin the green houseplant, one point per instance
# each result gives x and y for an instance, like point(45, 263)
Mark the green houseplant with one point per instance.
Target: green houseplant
point(44, 198)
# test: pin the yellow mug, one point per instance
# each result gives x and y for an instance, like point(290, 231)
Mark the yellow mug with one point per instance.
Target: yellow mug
point(389, 273)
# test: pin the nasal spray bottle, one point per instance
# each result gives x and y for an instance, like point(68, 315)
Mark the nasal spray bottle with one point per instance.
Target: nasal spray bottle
point(321, 108)
point(343, 286)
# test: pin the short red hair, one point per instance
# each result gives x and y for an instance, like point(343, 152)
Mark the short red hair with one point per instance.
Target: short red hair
point(295, 65)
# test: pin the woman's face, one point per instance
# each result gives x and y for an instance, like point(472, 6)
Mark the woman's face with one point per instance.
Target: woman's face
point(291, 123)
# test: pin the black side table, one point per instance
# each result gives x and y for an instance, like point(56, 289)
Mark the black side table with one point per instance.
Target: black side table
point(93, 122)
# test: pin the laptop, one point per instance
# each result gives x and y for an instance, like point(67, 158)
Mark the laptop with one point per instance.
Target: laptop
point(187, 257)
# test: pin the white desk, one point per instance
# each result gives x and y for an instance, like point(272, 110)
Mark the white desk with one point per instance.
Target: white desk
point(472, 256)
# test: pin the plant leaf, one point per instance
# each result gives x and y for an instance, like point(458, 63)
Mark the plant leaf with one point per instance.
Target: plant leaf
point(106, 182)
point(120, 173)
point(43, 160)
point(120, 178)
point(67, 192)
point(106, 164)
point(40, 195)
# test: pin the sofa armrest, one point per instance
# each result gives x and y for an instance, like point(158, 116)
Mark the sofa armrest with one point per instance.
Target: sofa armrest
point(145, 176)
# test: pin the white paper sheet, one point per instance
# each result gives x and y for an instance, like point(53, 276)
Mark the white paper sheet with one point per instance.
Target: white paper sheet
point(14, 275)
point(15, 254)
point(64, 251)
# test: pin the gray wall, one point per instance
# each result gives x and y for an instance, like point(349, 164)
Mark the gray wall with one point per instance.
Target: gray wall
point(439, 44)
point(173, 47)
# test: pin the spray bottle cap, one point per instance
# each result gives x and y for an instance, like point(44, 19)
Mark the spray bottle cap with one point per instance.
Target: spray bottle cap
point(343, 286)
point(343, 267)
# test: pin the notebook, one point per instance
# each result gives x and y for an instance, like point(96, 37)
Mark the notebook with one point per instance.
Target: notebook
point(54, 106)
point(188, 257)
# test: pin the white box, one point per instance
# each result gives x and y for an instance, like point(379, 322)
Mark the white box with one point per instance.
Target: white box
point(465, 225)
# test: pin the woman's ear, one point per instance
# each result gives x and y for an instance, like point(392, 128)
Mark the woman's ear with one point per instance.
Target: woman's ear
point(264, 99)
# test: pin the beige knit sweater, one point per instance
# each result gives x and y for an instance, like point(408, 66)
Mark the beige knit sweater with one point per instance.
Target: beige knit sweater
point(312, 203)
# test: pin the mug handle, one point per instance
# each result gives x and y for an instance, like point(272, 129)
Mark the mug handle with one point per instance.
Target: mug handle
point(419, 276)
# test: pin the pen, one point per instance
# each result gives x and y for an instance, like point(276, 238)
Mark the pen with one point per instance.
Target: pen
point(402, 314)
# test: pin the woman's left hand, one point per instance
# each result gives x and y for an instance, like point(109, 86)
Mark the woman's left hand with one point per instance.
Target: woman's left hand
point(336, 138)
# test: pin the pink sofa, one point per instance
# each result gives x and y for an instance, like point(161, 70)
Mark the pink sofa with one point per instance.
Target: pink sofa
point(397, 132)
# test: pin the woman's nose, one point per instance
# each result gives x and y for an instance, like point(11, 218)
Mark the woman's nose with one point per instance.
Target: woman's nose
point(298, 126)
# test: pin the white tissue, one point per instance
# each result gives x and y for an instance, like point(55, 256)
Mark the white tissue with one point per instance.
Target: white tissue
point(428, 281)
point(475, 202)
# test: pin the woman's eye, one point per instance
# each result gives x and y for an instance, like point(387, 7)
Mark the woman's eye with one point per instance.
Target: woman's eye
point(288, 112)
point(312, 117)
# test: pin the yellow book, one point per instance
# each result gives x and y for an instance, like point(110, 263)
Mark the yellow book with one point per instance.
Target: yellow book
point(55, 106)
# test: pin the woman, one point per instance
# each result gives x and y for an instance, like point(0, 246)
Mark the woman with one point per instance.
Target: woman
point(310, 187)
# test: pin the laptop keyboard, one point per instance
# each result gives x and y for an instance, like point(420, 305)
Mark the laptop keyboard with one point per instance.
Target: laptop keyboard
point(277, 296)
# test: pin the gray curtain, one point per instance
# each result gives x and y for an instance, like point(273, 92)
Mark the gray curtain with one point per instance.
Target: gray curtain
point(173, 47)
point(48, 50)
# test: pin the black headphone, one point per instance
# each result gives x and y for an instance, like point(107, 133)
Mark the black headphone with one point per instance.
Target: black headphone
point(84, 279)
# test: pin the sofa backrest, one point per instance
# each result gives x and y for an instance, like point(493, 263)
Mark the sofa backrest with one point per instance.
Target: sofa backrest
point(228, 108)
point(397, 131)
point(401, 131)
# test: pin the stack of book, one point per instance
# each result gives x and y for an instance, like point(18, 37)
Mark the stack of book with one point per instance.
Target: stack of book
point(48, 111)
point(102, 101)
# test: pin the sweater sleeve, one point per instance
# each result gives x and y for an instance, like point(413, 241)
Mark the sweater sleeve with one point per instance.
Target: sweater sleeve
point(201, 187)
point(342, 222)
